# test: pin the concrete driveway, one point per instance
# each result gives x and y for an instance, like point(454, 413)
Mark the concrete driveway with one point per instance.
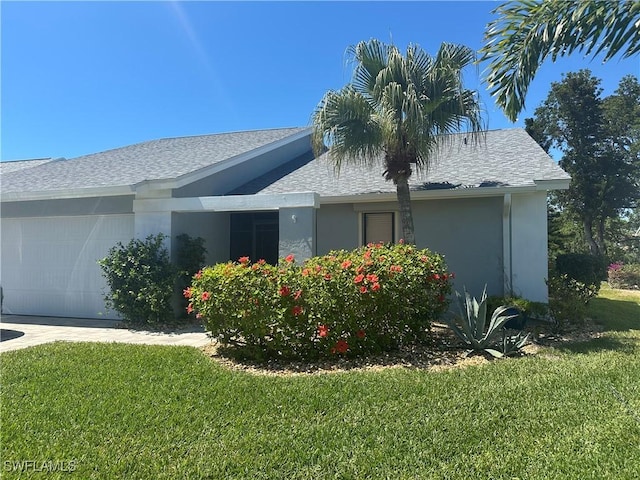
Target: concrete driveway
point(20, 331)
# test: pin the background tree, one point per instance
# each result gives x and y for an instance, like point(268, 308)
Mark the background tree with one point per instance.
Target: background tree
point(399, 107)
point(527, 32)
point(599, 149)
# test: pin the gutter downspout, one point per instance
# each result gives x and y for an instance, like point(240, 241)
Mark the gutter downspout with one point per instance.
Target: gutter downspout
point(507, 258)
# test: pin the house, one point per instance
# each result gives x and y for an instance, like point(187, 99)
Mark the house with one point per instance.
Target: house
point(263, 194)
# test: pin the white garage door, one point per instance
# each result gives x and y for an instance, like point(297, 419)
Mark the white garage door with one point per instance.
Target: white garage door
point(49, 265)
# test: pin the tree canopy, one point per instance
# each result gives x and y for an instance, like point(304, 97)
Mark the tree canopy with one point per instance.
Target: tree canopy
point(600, 144)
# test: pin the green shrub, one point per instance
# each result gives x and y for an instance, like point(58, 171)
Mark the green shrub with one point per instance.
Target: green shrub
point(586, 269)
point(624, 276)
point(527, 307)
point(141, 279)
point(568, 299)
point(190, 258)
point(369, 300)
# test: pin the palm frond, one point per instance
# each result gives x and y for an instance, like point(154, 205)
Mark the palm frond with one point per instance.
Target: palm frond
point(527, 32)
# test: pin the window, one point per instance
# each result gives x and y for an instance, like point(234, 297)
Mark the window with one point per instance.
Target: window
point(378, 227)
point(255, 235)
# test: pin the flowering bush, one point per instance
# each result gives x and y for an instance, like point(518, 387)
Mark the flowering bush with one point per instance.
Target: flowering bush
point(624, 276)
point(372, 299)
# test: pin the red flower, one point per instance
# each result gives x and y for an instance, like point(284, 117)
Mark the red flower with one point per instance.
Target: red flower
point(306, 272)
point(198, 316)
point(361, 334)
point(375, 287)
point(318, 268)
point(395, 268)
point(187, 292)
point(284, 291)
point(424, 258)
point(358, 279)
point(441, 298)
point(243, 260)
point(296, 310)
point(360, 269)
point(346, 264)
point(401, 241)
point(255, 266)
point(363, 289)
point(198, 275)
point(205, 296)
point(189, 308)
point(341, 346)
point(372, 277)
point(382, 258)
point(289, 258)
point(367, 254)
point(323, 330)
point(436, 276)
point(452, 275)
point(262, 261)
point(327, 276)
point(297, 295)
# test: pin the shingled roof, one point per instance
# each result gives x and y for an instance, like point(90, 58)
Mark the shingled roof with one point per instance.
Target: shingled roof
point(501, 158)
point(162, 159)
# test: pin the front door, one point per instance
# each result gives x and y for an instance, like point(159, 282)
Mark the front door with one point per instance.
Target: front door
point(255, 235)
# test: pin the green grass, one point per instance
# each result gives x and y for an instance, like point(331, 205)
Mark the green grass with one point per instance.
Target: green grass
point(126, 411)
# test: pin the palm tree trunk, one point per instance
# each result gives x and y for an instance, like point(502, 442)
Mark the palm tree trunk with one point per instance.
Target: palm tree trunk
point(406, 215)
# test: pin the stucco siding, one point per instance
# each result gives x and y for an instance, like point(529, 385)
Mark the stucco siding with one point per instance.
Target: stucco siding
point(337, 228)
point(529, 246)
point(468, 232)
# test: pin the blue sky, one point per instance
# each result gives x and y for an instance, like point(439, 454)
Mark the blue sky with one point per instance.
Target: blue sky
point(84, 77)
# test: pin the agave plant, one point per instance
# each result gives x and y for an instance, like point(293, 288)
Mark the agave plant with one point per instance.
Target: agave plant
point(473, 329)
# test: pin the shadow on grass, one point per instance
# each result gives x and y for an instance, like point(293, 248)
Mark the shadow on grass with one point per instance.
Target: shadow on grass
point(615, 315)
point(602, 344)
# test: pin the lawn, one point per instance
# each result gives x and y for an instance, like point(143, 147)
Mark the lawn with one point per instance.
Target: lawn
point(126, 411)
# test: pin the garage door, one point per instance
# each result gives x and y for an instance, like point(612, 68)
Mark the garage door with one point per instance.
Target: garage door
point(49, 265)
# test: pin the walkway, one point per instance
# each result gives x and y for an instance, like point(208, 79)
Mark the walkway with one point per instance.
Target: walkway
point(18, 331)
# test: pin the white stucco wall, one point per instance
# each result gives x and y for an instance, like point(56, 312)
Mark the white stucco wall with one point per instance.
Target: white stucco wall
point(529, 258)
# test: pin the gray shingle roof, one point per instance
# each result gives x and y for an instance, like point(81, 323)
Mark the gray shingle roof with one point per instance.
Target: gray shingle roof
point(502, 158)
point(15, 165)
point(163, 159)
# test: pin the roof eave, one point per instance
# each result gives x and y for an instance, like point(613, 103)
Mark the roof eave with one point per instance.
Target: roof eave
point(434, 194)
point(65, 194)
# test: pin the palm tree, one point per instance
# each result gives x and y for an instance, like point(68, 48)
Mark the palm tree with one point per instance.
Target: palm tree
point(399, 107)
point(527, 32)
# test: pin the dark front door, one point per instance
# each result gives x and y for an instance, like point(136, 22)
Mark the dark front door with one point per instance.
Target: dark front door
point(255, 235)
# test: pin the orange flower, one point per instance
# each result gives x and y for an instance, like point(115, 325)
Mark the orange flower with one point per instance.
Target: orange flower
point(358, 279)
point(189, 308)
point(372, 277)
point(205, 296)
point(284, 291)
point(187, 292)
point(341, 346)
point(289, 258)
point(198, 275)
point(375, 287)
point(323, 330)
point(243, 260)
point(346, 264)
point(363, 289)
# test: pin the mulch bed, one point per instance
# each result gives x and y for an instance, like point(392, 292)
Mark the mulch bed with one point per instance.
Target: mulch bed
point(446, 352)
